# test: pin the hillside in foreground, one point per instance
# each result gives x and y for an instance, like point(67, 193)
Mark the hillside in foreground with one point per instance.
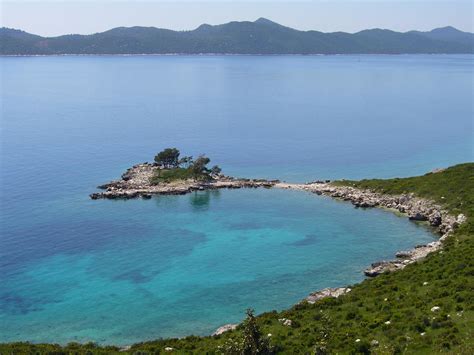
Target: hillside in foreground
point(259, 37)
point(390, 314)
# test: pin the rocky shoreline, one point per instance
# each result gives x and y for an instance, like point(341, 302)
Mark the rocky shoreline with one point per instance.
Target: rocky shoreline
point(135, 183)
point(417, 209)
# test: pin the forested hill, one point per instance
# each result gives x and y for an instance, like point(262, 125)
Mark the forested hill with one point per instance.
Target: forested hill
point(259, 37)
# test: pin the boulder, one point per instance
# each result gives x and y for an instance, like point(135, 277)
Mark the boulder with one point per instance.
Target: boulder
point(435, 219)
point(224, 328)
point(286, 322)
point(461, 219)
point(383, 266)
point(417, 216)
point(327, 292)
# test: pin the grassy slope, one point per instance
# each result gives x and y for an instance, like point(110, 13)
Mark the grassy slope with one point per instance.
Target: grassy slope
point(177, 174)
point(400, 298)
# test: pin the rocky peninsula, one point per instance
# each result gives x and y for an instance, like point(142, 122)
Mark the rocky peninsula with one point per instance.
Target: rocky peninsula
point(173, 174)
point(140, 181)
point(136, 182)
point(169, 175)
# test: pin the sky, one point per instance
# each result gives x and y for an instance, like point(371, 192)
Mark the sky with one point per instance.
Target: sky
point(57, 17)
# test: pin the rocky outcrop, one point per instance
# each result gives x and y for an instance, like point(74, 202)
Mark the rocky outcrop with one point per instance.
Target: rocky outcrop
point(286, 322)
point(327, 292)
point(224, 328)
point(415, 208)
point(136, 182)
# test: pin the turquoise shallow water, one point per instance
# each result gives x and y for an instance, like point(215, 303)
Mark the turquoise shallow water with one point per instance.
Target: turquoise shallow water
point(182, 265)
point(125, 271)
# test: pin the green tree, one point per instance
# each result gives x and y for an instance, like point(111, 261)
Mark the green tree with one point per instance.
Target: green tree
point(199, 166)
point(168, 158)
point(253, 342)
point(216, 170)
point(186, 162)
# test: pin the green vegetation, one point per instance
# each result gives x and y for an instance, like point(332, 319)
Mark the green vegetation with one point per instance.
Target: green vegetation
point(452, 188)
point(251, 340)
point(259, 37)
point(173, 168)
point(390, 314)
point(168, 158)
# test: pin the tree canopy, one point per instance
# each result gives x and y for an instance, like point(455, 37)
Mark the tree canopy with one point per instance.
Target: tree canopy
point(168, 158)
point(172, 167)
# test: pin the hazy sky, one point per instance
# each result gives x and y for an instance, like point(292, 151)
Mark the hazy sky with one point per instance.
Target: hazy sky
point(56, 17)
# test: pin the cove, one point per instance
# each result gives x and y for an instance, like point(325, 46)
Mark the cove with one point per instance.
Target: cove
point(124, 271)
point(118, 272)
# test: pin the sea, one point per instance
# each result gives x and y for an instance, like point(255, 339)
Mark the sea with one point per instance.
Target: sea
point(124, 271)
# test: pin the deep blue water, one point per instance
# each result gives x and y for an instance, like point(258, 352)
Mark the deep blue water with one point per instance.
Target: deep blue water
point(125, 271)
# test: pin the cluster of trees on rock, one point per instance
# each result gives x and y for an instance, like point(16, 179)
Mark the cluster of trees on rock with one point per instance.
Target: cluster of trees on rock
point(175, 168)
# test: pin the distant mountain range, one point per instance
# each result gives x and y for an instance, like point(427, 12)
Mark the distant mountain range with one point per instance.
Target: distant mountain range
point(260, 37)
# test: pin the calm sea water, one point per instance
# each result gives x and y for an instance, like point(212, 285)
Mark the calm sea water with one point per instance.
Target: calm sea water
point(125, 271)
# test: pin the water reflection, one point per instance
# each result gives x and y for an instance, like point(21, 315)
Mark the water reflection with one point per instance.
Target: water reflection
point(200, 199)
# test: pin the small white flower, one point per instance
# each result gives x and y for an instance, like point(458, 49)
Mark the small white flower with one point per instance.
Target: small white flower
point(357, 340)
point(269, 334)
point(385, 299)
point(387, 322)
point(425, 283)
point(422, 334)
point(435, 309)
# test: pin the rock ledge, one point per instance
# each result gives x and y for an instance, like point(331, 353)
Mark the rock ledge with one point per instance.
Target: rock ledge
point(135, 183)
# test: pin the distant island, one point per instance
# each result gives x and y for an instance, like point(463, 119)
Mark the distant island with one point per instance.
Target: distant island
point(259, 37)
